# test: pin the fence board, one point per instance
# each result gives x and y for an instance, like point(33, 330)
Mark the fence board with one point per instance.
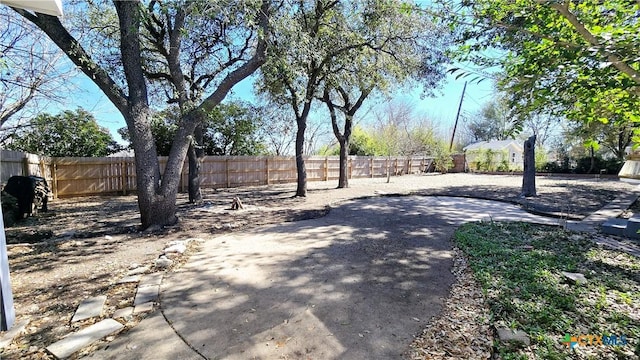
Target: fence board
point(16, 163)
point(116, 175)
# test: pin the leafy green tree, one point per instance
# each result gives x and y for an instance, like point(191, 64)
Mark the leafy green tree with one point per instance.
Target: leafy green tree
point(339, 53)
point(113, 57)
point(569, 58)
point(189, 46)
point(362, 143)
point(412, 48)
point(233, 129)
point(494, 122)
point(229, 129)
point(300, 54)
point(68, 134)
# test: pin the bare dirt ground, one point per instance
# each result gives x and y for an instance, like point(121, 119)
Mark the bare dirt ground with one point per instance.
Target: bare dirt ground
point(82, 246)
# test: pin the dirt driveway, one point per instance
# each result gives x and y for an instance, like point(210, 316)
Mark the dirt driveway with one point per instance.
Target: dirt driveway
point(359, 283)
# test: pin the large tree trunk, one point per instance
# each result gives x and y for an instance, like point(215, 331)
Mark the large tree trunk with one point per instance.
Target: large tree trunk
point(196, 153)
point(343, 180)
point(154, 209)
point(529, 175)
point(592, 164)
point(156, 195)
point(300, 166)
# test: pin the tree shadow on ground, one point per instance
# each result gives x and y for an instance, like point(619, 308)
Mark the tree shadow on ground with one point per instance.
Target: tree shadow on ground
point(572, 201)
point(359, 283)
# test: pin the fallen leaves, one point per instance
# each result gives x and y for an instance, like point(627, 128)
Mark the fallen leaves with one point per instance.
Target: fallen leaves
point(462, 331)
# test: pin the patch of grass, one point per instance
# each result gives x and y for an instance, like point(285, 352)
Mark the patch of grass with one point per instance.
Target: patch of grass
point(519, 267)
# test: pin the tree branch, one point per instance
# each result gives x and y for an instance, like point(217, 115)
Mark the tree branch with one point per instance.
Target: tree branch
point(618, 63)
point(71, 47)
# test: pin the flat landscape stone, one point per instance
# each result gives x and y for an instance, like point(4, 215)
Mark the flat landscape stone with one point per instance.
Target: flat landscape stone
point(179, 248)
point(576, 278)
point(632, 228)
point(76, 341)
point(123, 313)
point(163, 262)
point(614, 226)
point(513, 336)
point(129, 279)
point(15, 330)
point(146, 294)
point(145, 307)
point(138, 271)
point(91, 307)
point(153, 279)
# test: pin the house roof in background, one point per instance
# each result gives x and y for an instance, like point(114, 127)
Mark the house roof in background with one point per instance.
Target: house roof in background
point(49, 7)
point(497, 145)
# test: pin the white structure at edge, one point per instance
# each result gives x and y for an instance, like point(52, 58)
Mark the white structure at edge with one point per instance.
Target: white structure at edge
point(49, 7)
point(510, 151)
point(7, 311)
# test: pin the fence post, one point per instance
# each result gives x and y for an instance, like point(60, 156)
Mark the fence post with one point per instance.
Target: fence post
point(41, 166)
point(123, 177)
point(226, 162)
point(267, 164)
point(371, 160)
point(350, 162)
point(395, 167)
point(25, 165)
point(326, 168)
point(54, 179)
point(409, 167)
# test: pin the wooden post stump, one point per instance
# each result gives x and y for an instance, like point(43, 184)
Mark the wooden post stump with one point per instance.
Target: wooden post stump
point(529, 174)
point(236, 204)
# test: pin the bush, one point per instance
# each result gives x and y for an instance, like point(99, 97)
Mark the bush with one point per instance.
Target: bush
point(504, 166)
point(612, 166)
point(443, 160)
point(554, 167)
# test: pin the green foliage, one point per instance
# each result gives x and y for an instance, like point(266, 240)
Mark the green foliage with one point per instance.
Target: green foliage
point(68, 134)
point(229, 129)
point(341, 52)
point(541, 159)
point(583, 164)
point(577, 60)
point(328, 150)
point(489, 160)
point(503, 166)
point(233, 129)
point(611, 166)
point(363, 143)
point(494, 122)
point(443, 160)
point(519, 267)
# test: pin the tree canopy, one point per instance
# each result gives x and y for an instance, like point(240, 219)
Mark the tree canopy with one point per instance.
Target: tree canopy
point(340, 52)
point(232, 128)
point(32, 73)
point(111, 49)
point(493, 122)
point(67, 134)
point(569, 58)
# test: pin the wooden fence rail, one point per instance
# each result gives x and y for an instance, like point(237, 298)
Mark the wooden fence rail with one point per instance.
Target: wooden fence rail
point(116, 175)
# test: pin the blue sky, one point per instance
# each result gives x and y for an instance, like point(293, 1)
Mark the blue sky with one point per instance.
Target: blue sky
point(441, 109)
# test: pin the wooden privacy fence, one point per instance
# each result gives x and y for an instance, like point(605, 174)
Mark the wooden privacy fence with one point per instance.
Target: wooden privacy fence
point(19, 163)
point(116, 175)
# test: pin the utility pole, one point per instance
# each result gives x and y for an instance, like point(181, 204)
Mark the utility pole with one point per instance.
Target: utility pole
point(457, 117)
